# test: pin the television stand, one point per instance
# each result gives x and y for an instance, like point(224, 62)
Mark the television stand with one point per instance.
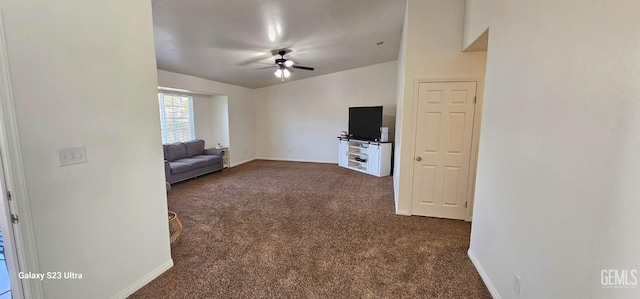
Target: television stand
point(370, 157)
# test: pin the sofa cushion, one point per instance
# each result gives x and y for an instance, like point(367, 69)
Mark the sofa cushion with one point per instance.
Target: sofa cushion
point(179, 167)
point(195, 163)
point(194, 147)
point(211, 159)
point(175, 151)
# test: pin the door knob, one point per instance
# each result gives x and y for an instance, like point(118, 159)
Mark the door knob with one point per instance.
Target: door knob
point(418, 158)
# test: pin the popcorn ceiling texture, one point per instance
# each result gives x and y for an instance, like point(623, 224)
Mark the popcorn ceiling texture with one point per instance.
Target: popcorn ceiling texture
point(268, 229)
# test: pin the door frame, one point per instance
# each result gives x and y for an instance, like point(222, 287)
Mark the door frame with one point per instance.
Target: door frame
point(23, 237)
point(475, 139)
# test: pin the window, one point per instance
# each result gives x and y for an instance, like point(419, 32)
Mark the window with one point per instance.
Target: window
point(176, 117)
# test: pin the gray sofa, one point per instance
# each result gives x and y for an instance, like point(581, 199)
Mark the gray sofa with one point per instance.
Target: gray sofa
point(185, 160)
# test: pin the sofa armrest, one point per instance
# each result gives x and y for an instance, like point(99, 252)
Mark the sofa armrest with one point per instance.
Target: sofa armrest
point(214, 151)
point(167, 171)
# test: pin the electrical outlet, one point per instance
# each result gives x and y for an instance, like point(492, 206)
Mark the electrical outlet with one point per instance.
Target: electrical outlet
point(72, 155)
point(517, 282)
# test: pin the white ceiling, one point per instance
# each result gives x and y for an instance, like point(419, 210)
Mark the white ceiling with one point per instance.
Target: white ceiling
point(226, 41)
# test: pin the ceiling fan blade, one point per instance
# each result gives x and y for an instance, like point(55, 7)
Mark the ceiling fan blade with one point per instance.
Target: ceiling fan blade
point(255, 59)
point(266, 67)
point(303, 67)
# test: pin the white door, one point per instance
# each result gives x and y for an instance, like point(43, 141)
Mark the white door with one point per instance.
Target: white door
point(10, 285)
point(443, 148)
point(9, 268)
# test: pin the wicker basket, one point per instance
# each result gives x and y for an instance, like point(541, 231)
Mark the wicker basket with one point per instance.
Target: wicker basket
point(175, 228)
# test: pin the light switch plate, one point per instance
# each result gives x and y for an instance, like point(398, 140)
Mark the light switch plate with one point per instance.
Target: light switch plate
point(517, 282)
point(72, 155)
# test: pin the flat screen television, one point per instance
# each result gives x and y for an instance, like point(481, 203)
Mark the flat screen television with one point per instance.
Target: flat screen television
point(365, 122)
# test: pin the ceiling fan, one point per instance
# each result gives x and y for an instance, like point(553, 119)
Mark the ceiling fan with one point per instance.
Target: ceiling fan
point(285, 66)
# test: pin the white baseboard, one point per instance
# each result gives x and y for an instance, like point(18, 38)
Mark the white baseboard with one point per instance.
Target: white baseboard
point(403, 212)
point(241, 162)
point(297, 160)
point(483, 275)
point(144, 280)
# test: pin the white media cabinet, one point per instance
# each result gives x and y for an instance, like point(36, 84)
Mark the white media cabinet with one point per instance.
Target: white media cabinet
point(370, 157)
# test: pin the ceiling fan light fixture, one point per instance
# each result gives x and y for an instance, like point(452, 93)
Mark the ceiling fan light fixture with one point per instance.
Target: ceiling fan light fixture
point(285, 66)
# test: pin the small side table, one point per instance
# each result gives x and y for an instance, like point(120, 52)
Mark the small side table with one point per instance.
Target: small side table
point(225, 157)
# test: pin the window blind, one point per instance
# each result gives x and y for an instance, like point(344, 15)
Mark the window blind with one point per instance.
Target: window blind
point(176, 117)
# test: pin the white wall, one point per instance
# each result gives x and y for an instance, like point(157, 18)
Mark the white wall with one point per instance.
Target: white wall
point(220, 120)
point(476, 20)
point(211, 119)
point(557, 188)
point(402, 61)
point(433, 51)
point(300, 120)
point(86, 77)
point(240, 107)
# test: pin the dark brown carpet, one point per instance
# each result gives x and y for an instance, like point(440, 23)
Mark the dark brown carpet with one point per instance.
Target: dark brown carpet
point(270, 229)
